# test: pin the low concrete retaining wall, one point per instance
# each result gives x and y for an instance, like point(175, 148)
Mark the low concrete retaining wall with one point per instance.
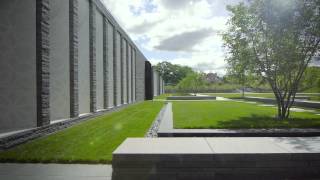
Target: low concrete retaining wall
point(191, 98)
point(216, 158)
point(166, 130)
point(301, 103)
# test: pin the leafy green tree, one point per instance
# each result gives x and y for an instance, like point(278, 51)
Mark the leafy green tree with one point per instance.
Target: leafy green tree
point(311, 79)
point(192, 83)
point(276, 40)
point(172, 73)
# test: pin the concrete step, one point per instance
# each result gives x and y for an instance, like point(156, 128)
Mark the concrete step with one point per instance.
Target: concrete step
point(226, 158)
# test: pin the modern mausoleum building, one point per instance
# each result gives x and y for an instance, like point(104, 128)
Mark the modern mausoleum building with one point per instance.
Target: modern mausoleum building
point(63, 59)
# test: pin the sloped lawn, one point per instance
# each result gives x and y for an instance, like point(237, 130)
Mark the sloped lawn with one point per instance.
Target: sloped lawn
point(92, 141)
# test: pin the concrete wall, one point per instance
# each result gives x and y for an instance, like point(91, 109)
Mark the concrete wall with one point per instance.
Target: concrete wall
point(140, 77)
point(109, 68)
point(117, 69)
point(84, 66)
point(59, 64)
point(83, 62)
point(99, 61)
point(18, 101)
point(129, 75)
point(124, 71)
point(133, 75)
point(155, 83)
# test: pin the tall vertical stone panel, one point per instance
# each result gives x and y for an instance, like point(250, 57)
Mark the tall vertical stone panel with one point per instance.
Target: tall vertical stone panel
point(124, 71)
point(148, 81)
point(99, 61)
point(73, 57)
point(129, 74)
point(110, 59)
point(18, 99)
point(155, 83)
point(92, 55)
point(117, 68)
point(42, 61)
point(84, 57)
point(160, 85)
point(59, 60)
point(140, 77)
point(133, 53)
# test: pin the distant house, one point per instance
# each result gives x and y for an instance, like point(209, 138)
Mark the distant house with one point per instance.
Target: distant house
point(212, 78)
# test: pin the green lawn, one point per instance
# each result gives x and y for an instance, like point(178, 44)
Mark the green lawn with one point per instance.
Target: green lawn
point(228, 114)
point(92, 141)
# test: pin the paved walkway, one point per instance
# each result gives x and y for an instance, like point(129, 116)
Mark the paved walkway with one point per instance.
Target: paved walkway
point(55, 172)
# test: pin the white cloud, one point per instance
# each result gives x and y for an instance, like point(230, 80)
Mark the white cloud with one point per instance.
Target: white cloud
point(190, 28)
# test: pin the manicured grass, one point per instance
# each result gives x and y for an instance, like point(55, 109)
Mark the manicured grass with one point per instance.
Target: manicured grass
point(235, 115)
point(92, 141)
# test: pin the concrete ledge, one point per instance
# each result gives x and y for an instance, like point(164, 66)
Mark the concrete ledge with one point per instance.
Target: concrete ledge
point(240, 133)
point(191, 98)
point(166, 130)
point(207, 158)
point(297, 102)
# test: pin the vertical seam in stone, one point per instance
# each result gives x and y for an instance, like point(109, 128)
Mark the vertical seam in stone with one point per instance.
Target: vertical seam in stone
point(105, 87)
point(92, 39)
point(42, 61)
point(73, 43)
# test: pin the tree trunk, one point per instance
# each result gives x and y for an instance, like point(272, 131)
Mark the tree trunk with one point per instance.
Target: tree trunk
point(242, 91)
point(284, 105)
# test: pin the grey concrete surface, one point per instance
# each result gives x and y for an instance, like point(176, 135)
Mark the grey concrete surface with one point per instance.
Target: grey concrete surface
point(18, 96)
point(217, 158)
point(109, 68)
point(59, 64)
point(117, 69)
point(84, 70)
point(129, 74)
point(134, 75)
point(140, 77)
point(124, 72)
point(55, 172)
point(99, 60)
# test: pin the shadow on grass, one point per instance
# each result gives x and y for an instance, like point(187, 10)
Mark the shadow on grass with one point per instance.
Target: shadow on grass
point(263, 122)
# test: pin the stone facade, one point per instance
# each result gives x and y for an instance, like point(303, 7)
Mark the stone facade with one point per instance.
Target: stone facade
point(65, 58)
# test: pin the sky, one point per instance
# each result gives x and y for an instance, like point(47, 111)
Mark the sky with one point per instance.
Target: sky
point(185, 32)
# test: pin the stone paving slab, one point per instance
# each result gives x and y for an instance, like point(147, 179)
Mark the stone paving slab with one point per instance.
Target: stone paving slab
point(244, 145)
point(164, 146)
point(13, 171)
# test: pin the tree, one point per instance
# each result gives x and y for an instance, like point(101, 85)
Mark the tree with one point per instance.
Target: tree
point(276, 40)
point(172, 73)
point(311, 79)
point(192, 83)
